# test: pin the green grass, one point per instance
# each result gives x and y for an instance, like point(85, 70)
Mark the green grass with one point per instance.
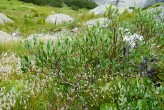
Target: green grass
point(30, 18)
point(15, 47)
point(127, 15)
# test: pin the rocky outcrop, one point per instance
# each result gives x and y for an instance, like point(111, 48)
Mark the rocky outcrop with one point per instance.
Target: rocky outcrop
point(130, 3)
point(4, 19)
point(141, 3)
point(59, 19)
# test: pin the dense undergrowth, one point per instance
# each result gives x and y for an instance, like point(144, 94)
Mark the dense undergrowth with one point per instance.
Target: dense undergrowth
point(96, 70)
point(74, 4)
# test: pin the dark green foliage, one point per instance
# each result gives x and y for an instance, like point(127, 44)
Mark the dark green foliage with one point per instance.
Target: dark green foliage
point(55, 3)
point(75, 4)
point(80, 4)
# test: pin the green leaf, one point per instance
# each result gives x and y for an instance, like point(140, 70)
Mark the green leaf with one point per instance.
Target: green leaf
point(141, 104)
point(59, 43)
point(26, 58)
point(108, 106)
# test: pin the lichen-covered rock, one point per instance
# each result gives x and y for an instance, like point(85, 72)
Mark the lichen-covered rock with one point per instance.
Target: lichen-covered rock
point(59, 19)
point(4, 19)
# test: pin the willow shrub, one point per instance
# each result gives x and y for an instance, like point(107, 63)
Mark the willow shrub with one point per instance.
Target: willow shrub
point(94, 71)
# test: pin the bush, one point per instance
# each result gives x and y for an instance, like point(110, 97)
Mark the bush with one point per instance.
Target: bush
point(99, 70)
point(74, 7)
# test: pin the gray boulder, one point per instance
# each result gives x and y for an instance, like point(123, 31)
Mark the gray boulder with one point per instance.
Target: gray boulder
point(4, 37)
point(101, 9)
point(59, 19)
point(102, 22)
point(4, 19)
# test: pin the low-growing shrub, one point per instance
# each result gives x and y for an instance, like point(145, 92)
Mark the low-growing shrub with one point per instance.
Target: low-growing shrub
point(98, 70)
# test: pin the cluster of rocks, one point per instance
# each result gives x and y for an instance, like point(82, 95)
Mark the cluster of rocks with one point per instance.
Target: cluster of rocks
point(121, 5)
point(53, 19)
point(5, 37)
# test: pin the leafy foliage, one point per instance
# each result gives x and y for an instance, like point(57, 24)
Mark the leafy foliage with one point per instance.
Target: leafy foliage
point(81, 4)
point(99, 69)
point(57, 3)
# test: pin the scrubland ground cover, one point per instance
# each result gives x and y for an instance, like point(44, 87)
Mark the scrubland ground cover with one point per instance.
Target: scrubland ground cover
point(30, 18)
point(96, 70)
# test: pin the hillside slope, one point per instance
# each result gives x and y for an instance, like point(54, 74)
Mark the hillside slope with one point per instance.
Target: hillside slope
point(29, 18)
